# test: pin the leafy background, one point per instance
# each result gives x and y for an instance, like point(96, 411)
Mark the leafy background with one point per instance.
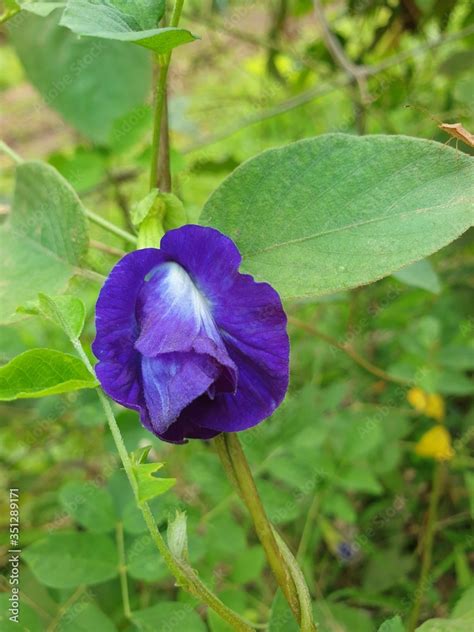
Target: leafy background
point(336, 465)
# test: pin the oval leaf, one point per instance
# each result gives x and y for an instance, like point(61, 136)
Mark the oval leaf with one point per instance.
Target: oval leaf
point(67, 560)
point(41, 372)
point(44, 239)
point(66, 311)
point(338, 211)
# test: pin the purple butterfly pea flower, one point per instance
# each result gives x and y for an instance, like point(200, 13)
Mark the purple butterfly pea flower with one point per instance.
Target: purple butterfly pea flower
point(190, 343)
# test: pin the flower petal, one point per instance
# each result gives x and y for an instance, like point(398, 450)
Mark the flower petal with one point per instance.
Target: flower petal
point(211, 259)
point(171, 312)
point(253, 325)
point(173, 316)
point(171, 381)
point(118, 369)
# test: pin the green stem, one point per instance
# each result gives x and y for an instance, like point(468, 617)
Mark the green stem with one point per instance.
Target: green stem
point(123, 571)
point(281, 561)
point(428, 539)
point(163, 63)
point(304, 597)
point(11, 153)
point(100, 221)
point(185, 576)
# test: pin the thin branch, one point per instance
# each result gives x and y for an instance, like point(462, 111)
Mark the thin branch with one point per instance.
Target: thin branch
point(121, 201)
point(349, 351)
point(357, 74)
point(91, 275)
point(110, 250)
point(10, 153)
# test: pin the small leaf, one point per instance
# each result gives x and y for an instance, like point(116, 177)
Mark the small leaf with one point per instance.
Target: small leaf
point(66, 311)
point(177, 536)
point(109, 20)
point(338, 211)
point(420, 274)
point(149, 485)
point(140, 456)
point(44, 240)
point(41, 372)
point(67, 560)
point(394, 624)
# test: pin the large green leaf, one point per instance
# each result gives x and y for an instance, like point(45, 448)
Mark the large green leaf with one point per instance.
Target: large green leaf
point(67, 560)
point(339, 211)
point(132, 21)
point(41, 372)
point(90, 82)
point(44, 239)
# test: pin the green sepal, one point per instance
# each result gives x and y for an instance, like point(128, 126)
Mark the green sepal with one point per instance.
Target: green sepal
point(155, 214)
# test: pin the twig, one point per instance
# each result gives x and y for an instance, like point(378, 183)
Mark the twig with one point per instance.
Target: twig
point(360, 360)
point(357, 74)
point(64, 608)
point(110, 250)
point(91, 275)
point(121, 201)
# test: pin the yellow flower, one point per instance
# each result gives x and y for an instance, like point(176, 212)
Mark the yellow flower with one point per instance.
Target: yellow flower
point(435, 407)
point(430, 404)
point(417, 398)
point(435, 444)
